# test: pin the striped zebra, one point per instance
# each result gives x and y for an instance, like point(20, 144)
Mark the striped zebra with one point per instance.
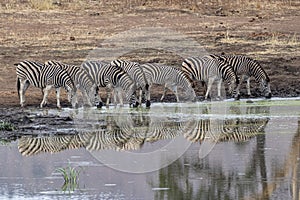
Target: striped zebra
point(108, 76)
point(169, 77)
point(45, 77)
point(246, 68)
point(223, 130)
point(135, 71)
point(209, 69)
point(29, 146)
point(81, 79)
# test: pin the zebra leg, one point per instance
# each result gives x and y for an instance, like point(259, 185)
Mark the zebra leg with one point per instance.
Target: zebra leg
point(108, 94)
point(209, 84)
point(238, 95)
point(46, 91)
point(164, 92)
point(174, 90)
point(98, 100)
point(86, 98)
point(115, 92)
point(269, 95)
point(57, 97)
point(22, 88)
point(140, 97)
point(248, 87)
point(148, 103)
point(74, 99)
point(219, 89)
point(120, 97)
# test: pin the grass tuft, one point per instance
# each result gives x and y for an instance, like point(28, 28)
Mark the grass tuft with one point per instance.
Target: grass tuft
point(71, 177)
point(6, 126)
point(41, 4)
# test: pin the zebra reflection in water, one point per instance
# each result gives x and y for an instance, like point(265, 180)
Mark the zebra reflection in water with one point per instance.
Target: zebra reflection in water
point(123, 132)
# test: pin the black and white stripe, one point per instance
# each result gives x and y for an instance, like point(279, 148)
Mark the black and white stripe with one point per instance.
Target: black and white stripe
point(109, 76)
point(135, 71)
point(210, 69)
point(81, 79)
point(246, 68)
point(168, 76)
point(45, 77)
point(223, 130)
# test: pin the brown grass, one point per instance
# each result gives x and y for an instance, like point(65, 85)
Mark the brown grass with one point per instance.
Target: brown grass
point(220, 7)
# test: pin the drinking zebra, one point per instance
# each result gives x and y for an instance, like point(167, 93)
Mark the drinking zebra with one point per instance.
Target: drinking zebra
point(135, 71)
point(81, 79)
point(223, 130)
point(246, 68)
point(169, 77)
point(209, 69)
point(109, 76)
point(45, 77)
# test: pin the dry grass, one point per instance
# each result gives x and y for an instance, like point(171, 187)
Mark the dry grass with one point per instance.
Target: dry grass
point(41, 4)
point(219, 7)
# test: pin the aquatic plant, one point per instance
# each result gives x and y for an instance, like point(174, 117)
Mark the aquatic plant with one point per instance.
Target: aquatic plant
point(6, 126)
point(71, 177)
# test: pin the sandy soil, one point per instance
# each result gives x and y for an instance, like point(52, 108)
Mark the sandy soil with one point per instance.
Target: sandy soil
point(69, 30)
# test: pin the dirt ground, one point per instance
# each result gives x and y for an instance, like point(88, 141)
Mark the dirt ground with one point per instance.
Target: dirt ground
point(69, 30)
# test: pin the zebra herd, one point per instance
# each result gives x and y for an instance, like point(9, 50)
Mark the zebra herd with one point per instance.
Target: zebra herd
point(135, 79)
point(125, 132)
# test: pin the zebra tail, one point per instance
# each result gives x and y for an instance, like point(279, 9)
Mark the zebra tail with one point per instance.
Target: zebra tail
point(18, 86)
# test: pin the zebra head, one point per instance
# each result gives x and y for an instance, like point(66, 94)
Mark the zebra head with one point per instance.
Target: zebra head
point(189, 89)
point(265, 87)
point(92, 94)
point(71, 91)
point(230, 77)
point(131, 96)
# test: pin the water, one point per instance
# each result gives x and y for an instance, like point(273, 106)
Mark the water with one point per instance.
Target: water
point(219, 150)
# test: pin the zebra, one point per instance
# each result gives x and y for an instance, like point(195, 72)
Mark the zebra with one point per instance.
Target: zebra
point(29, 145)
point(223, 130)
point(45, 77)
point(208, 69)
point(168, 76)
point(109, 76)
point(81, 79)
point(246, 68)
point(135, 71)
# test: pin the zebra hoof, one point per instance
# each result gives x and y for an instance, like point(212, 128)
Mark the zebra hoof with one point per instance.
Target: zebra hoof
point(219, 98)
point(238, 97)
point(136, 104)
point(148, 103)
point(269, 96)
point(100, 105)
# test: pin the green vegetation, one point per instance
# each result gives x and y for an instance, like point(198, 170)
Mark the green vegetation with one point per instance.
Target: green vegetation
point(6, 126)
point(71, 178)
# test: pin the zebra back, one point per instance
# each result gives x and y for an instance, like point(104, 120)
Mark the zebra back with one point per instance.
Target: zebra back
point(40, 75)
point(29, 146)
point(206, 67)
point(243, 65)
point(134, 70)
point(54, 75)
point(161, 74)
point(219, 130)
point(246, 67)
point(79, 76)
point(202, 68)
point(105, 74)
point(31, 71)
